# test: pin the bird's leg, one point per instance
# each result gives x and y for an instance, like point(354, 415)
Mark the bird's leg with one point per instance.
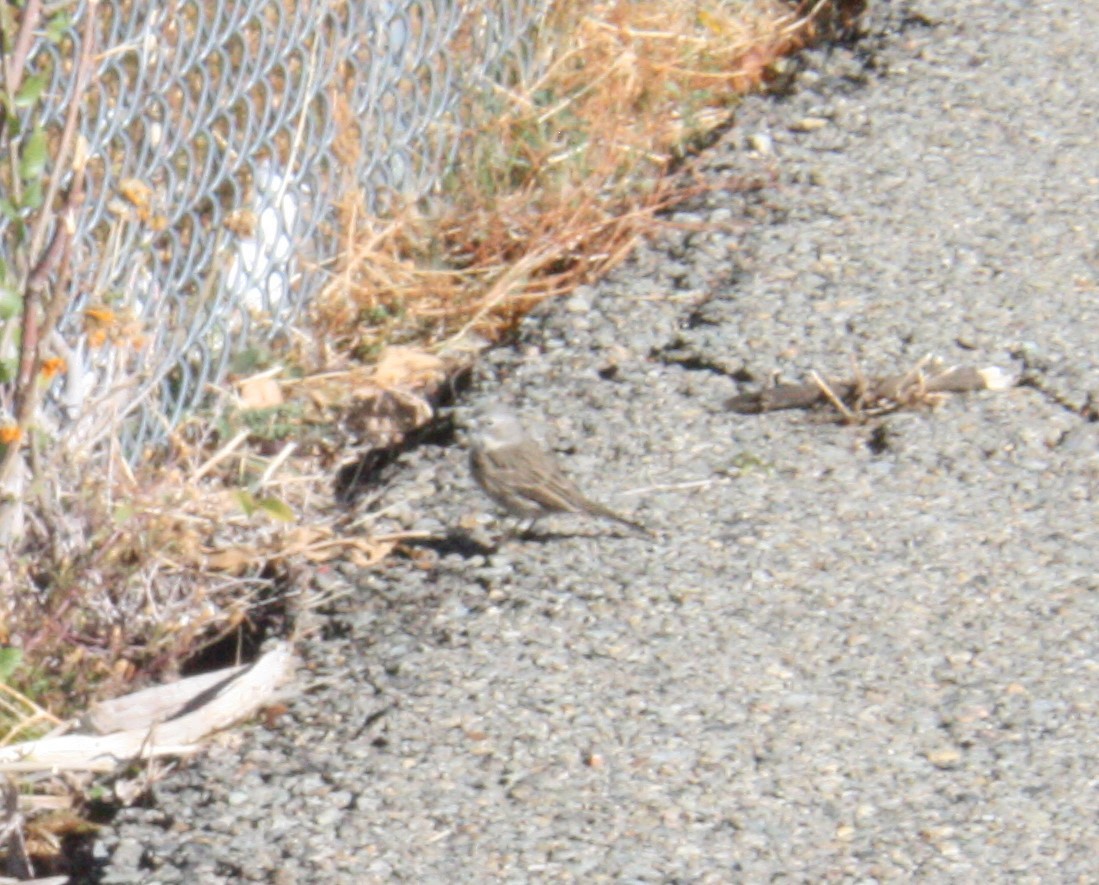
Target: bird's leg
point(515, 529)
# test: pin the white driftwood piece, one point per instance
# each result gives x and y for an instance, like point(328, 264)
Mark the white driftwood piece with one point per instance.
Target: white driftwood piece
point(145, 708)
point(167, 720)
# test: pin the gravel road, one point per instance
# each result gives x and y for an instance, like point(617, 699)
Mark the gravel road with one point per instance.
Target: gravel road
point(850, 653)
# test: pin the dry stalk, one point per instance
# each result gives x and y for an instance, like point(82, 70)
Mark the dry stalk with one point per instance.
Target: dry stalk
point(830, 395)
point(860, 397)
point(554, 191)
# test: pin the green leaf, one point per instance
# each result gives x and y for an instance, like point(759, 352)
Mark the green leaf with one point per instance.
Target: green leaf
point(57, 26)
point(123, 512)
point(10, 661)
point(7, 208)
point(8, 368)
point(32, 159)
point(33, 195)
point(7, 23)
point(31, 90)
point(278, 509)
point(246, 501)
point(11, 303)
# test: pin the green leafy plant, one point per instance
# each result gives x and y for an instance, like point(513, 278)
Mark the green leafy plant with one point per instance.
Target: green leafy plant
point(11, 659)
point(273, 507)
point(42, 181)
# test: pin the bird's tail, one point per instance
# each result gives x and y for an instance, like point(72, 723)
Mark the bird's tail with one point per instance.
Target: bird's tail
point(607, 513)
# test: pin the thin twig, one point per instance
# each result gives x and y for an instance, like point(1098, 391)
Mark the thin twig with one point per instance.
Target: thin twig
point(677, 486)
point(220, 455)
point(276, 463)
point(15, 66)
point(56, 258)
point(67, 143)
point(831, 396)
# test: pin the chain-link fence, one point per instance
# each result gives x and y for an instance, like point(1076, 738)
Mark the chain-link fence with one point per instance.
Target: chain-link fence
point(221, 134)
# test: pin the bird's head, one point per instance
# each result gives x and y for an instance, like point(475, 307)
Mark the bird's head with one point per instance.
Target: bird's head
point(496, 427)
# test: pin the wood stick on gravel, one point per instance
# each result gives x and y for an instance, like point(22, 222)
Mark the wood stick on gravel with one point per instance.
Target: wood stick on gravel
point(858, 397)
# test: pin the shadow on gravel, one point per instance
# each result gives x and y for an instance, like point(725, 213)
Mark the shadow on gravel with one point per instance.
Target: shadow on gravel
point(370, 467)
point(534, 537)
point(455, 541)
point(462, 543)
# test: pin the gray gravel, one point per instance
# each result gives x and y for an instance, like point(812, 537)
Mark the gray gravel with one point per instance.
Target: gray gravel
point(833, 663)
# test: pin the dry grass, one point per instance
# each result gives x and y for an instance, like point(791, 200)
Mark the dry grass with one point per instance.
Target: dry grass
point(559, 177)
point(125, 576)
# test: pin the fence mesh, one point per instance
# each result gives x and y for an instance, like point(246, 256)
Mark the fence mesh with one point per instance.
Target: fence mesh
point(221, 135)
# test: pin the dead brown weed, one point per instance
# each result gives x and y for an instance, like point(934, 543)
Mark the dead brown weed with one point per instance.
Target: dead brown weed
point(129, 574)
point(557, 177)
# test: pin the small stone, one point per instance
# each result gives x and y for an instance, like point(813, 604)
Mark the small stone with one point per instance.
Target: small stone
point(808, 124)
point(944, 757)
point(761, 143)
point(579, 301)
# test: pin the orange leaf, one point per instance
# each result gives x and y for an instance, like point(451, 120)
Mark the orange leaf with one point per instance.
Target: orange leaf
point(52, 366)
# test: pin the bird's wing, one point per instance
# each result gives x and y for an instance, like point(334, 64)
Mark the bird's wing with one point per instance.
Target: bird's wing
point(533, 474)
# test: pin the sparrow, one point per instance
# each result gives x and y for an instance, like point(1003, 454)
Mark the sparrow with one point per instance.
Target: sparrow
point(522, 477)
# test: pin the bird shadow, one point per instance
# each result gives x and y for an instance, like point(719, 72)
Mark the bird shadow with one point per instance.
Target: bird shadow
point(454, 542)
point(550, 536)
point(467, 545)
point(538, 537)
